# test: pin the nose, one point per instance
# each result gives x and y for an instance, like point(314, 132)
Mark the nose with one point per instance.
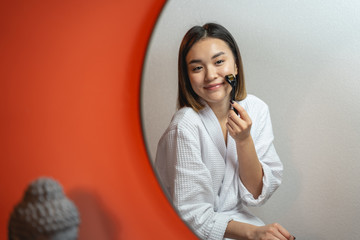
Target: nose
point(211, 73)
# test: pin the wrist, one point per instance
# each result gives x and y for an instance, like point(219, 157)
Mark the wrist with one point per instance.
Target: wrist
point(239, 230)
point(250, 233)
point(244, 142)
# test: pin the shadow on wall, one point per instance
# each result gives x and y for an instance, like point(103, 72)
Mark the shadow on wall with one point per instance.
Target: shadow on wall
point(96, 222)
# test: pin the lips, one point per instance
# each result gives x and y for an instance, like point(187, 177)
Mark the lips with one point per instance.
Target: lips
point(213, 86)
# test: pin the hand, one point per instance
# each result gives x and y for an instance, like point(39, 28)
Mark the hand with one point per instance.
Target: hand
point(239, 127)
point(272, 232)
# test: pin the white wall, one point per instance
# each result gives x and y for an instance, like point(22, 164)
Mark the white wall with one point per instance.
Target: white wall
point(302, 58)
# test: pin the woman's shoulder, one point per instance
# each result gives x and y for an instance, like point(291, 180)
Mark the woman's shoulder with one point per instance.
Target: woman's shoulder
point(253, 103)
point(184, 118)
point(185, 122)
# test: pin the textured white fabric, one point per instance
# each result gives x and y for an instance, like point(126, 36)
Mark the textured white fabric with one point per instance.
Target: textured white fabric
point(199, 173)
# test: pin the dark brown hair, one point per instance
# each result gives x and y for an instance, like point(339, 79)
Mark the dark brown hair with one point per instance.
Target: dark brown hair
point(186, 95)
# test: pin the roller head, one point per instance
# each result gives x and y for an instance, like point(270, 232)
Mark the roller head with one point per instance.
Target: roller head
point(231, 79)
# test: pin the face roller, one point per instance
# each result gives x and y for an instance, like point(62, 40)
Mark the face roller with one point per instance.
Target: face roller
point(231, 79)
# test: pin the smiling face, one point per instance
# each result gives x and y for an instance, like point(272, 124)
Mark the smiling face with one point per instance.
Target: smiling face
point(208, 62)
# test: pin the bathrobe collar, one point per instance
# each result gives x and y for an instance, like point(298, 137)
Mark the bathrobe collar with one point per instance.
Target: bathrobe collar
point(213, 127)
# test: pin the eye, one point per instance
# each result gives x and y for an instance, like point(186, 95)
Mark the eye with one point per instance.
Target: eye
point(219, 62)
point(197, 69)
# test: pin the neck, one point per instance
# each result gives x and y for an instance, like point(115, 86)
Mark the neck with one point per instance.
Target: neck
point(221, 110)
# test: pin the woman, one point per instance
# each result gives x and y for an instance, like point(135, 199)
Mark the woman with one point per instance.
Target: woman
point(211, 162)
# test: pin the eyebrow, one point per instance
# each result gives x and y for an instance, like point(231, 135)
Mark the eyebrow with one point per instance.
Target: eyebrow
point(198, 60)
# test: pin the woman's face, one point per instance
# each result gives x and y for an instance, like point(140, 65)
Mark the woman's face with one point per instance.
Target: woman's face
point(208, 62)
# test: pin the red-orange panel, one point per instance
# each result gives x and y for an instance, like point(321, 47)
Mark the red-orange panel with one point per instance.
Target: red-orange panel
point(70, 74)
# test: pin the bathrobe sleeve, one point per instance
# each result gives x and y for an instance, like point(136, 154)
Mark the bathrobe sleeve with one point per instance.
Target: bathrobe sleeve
point(263, 138)
point(188, 182)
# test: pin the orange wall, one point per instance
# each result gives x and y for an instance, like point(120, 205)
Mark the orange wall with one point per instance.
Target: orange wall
point(70, 76)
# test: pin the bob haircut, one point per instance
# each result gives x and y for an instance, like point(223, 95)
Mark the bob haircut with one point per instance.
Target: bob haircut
point(186, 95)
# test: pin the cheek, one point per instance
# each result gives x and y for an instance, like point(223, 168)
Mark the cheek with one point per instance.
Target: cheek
point(196, 87)
point(228, 88)
point(193, 85)
point(229, 68)
point(195, 80)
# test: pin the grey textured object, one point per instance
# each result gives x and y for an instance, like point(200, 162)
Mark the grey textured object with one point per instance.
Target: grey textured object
point(44, 213)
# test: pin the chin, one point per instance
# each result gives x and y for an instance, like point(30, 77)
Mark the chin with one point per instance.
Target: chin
point(216, 100)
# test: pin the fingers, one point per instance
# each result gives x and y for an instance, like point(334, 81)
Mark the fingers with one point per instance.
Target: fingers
point(282, 233)
point(285, 233)
point(238, 123)
point(238, 129)
point(243, 114)
point(230, 129)
point(273, 231)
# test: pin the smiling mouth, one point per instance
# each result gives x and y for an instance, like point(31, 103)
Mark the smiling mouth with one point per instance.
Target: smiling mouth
point(213, 86)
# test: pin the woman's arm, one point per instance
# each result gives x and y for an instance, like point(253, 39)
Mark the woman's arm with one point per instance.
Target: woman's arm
point(262, 146)
point(244, 231)
point(250, 169)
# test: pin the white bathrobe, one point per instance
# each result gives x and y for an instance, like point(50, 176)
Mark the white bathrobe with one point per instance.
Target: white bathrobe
point(199, 173)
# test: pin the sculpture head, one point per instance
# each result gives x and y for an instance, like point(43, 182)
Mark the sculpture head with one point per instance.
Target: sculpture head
point(44, 213)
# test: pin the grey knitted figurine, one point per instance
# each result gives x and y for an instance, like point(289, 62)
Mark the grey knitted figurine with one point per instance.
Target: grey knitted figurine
point(44, 213)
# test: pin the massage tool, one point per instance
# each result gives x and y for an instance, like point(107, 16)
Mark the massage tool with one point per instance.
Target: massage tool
point(231, 79)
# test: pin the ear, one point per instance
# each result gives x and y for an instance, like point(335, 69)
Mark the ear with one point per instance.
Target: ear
point(236, 69)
